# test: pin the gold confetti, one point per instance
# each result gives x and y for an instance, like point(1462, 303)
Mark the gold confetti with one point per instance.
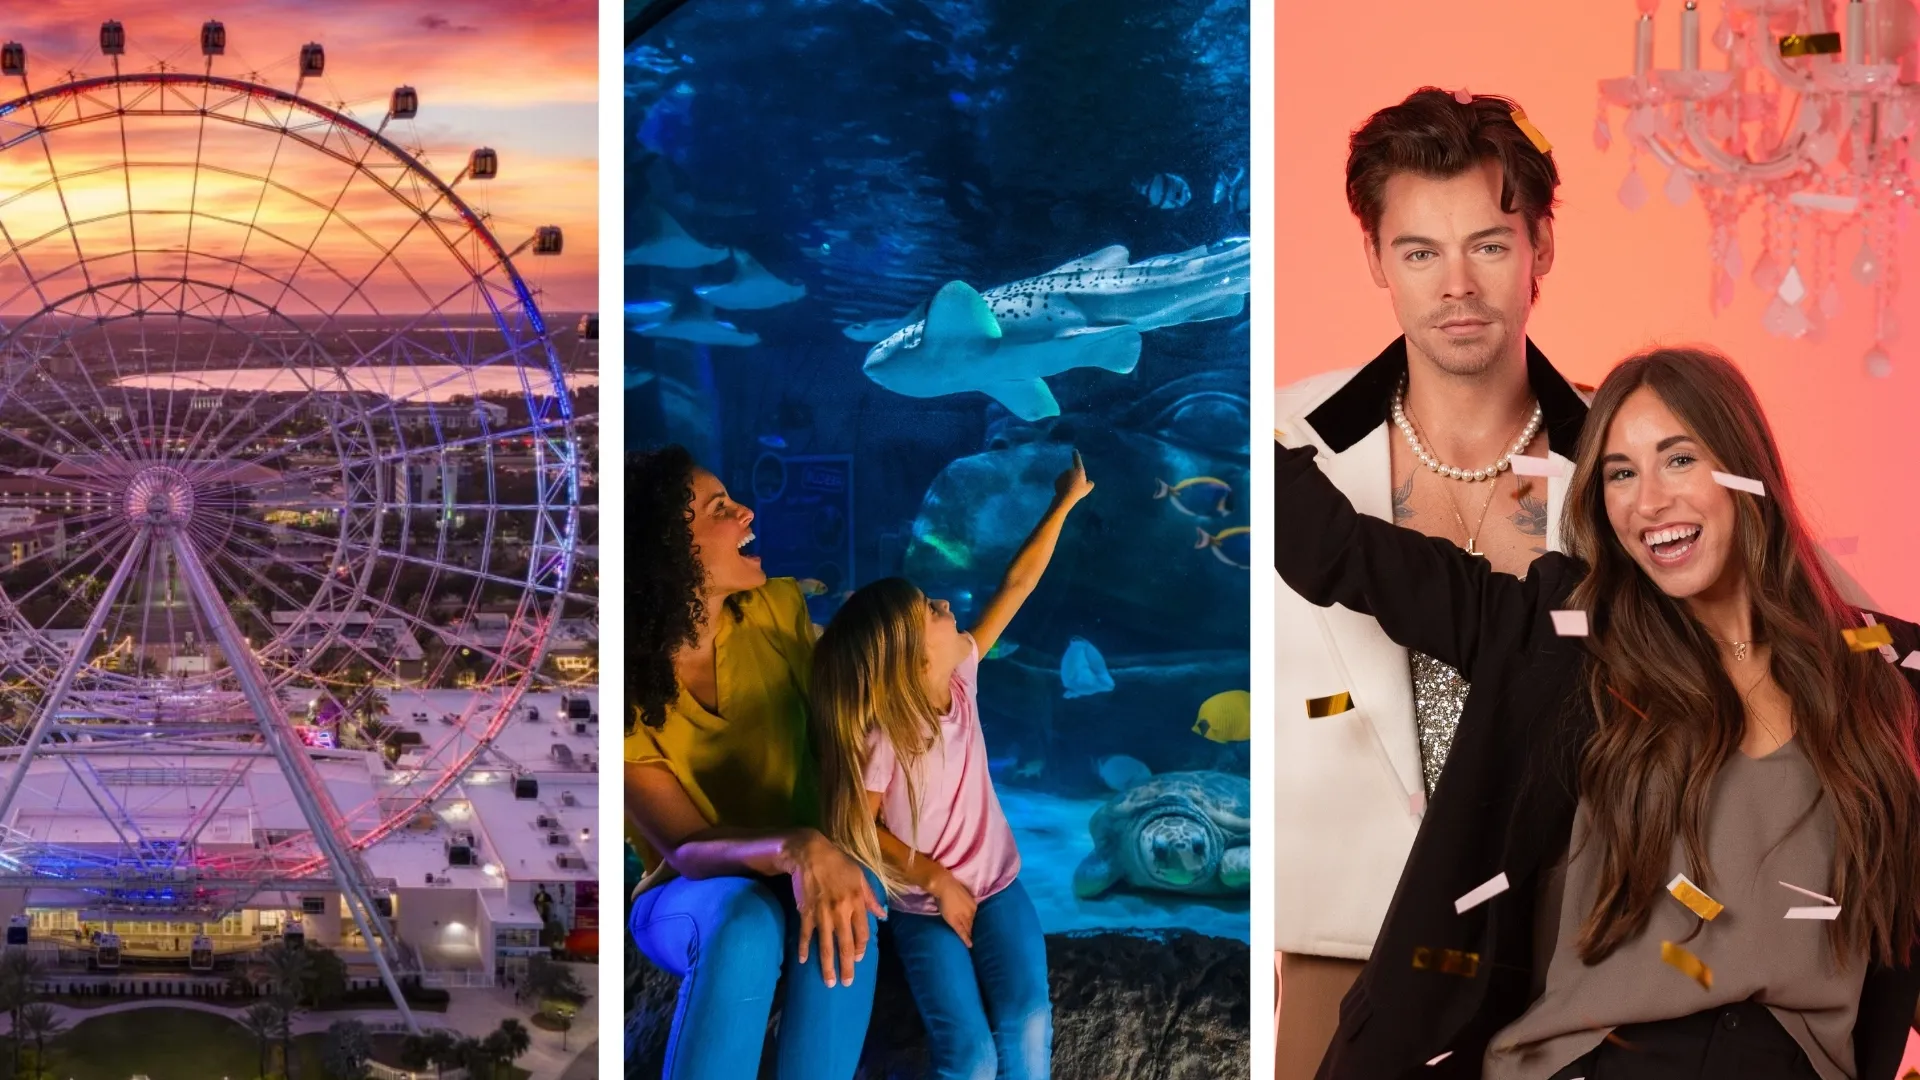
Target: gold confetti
point(1687, 964)
point(1867, 638)
point(1526, 127)
point(1689, 894)
point(1446, 961)
point(1810, 44)
point(1332, 705)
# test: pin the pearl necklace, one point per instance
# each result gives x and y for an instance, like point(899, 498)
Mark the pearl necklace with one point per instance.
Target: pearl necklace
point(1470, 475)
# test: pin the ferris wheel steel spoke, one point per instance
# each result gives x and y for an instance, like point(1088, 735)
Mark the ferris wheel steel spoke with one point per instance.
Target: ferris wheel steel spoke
point(315, 801)
point(56, 695)
point(416, 560)
point(97, 549)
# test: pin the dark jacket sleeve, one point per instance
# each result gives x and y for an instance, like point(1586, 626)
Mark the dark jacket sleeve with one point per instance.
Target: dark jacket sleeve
point(1426, 592)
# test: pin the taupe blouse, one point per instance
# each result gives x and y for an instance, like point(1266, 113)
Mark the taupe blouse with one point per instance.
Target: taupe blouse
point(1759, 833)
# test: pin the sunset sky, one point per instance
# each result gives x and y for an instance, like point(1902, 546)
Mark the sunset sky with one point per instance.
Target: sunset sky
point(516, 76)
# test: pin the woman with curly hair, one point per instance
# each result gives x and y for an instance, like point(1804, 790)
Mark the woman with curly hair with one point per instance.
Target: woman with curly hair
point(739, 887)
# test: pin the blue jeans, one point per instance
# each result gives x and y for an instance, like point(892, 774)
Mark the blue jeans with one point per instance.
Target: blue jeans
point(730, 940)
point(986, 1008)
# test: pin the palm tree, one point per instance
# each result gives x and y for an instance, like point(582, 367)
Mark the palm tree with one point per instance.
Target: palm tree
point(442, 1051)
point(262, 1021)
point(285, 1006)
point(19, 971)
point(326, 976)
point(515, 1039)
point(349, 1045)
point(40, 1023)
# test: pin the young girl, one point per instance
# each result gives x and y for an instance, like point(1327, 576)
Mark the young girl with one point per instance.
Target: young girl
point(897, 732)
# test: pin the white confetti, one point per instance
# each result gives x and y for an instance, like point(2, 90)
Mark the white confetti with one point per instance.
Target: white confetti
point(1482, 894)
point(1810, 893)
point(1912, 660)
point(1441, 1058)
point(1417, 803)
point(1827, 913)
point(1525, 465)
point(1739, 483)
point(1570, 623)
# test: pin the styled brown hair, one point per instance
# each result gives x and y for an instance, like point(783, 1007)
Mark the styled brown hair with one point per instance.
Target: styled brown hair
point(1433, 134)
point(1668, 716)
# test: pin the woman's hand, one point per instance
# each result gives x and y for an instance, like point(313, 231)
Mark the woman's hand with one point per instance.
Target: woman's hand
point(1072, 486)
point(833, 896)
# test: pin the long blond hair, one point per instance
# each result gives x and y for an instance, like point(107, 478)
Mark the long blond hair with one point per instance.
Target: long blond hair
point(866, 676)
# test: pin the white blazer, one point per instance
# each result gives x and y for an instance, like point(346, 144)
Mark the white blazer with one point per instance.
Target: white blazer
point(1348, 788)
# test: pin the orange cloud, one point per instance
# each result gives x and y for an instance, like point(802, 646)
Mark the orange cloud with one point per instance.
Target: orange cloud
point(518, 77)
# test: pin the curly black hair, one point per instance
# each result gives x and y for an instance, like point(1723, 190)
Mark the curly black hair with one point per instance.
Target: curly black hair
point(664, 605)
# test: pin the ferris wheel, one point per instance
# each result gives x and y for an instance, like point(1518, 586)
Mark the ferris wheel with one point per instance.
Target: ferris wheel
point(281, 429)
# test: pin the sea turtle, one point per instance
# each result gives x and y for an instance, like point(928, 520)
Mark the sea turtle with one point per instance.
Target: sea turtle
point(1183, 832)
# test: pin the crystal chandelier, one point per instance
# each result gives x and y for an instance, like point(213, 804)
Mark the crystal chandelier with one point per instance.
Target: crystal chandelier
point(1810, 120)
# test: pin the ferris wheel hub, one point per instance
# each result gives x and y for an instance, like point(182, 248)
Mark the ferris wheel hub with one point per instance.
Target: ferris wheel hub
point(160, 496)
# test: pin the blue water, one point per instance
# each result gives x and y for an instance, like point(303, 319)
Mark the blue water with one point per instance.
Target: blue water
point(806, 180)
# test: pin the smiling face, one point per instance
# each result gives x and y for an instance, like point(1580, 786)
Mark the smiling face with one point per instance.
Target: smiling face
point(721, 529)
point(1459, 269)
point(1665, 508)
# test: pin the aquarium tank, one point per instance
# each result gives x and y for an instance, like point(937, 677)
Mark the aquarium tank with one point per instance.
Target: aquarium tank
point(889, 264)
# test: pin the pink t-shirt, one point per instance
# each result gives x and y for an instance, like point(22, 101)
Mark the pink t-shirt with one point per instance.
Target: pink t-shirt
point(961, 825)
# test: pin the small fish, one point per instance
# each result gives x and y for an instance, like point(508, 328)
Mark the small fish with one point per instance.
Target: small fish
point(773, 442)
point(1198, 489)
point(1083, 671)
point(1233, 189)
point(1002, 649)
point(1167, 191)
point(1217, 542)
point(1031, 770)
point(1121, 772)
point(1226, 717)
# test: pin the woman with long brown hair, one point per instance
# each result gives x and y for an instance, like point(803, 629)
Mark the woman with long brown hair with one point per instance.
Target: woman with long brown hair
point(1679, 831)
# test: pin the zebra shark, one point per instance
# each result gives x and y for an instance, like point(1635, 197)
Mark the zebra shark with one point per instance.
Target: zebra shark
point(1089, 312)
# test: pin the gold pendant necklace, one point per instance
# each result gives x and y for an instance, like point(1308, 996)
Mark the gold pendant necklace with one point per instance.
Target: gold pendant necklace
point(1473, 534)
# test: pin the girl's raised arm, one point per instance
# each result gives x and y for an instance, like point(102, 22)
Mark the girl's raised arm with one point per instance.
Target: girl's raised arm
point(1030, 563)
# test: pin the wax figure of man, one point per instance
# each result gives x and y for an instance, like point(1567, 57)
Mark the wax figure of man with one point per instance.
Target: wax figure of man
point(1455, 202)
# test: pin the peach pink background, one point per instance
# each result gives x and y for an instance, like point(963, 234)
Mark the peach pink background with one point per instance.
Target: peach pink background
point(1623, 279)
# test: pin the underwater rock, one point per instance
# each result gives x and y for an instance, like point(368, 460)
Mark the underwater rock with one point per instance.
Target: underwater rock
point(1125, 558)
point(1181, 832)
point(1138, 1006)
point(1088, 313)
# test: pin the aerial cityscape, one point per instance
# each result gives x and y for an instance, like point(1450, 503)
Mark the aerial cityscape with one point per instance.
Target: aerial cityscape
point(298, 637)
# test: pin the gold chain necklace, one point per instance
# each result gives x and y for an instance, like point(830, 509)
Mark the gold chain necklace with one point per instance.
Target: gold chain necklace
point(1453, 504)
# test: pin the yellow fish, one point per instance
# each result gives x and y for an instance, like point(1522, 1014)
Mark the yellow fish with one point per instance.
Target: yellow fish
point(1173, 492)
point(1226, 717)
point(1214, 541)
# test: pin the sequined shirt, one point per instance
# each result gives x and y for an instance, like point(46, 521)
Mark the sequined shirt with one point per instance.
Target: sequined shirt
point(1439, 696)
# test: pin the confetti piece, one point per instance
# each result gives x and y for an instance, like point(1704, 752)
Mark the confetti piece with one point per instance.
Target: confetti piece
point(1417, 804)
point(1525, 465)
point(1569, 623)
point(1698, 902)
point(1465, 97)
point(1441, 1058)
point(1526, 127)
point(1810, 44)
point(1810, 893)
point(1446, 961)
point(1687, 964)
point(1865, 638)
point(1628, 704)
point(1814, 200)
point(1912, 660)
point(1332, 705)
point(1739, 483)
point(1827, 913)
point(1482, 894)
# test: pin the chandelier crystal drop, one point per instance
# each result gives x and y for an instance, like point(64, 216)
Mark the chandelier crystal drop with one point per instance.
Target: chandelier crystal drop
point(1809, 125)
